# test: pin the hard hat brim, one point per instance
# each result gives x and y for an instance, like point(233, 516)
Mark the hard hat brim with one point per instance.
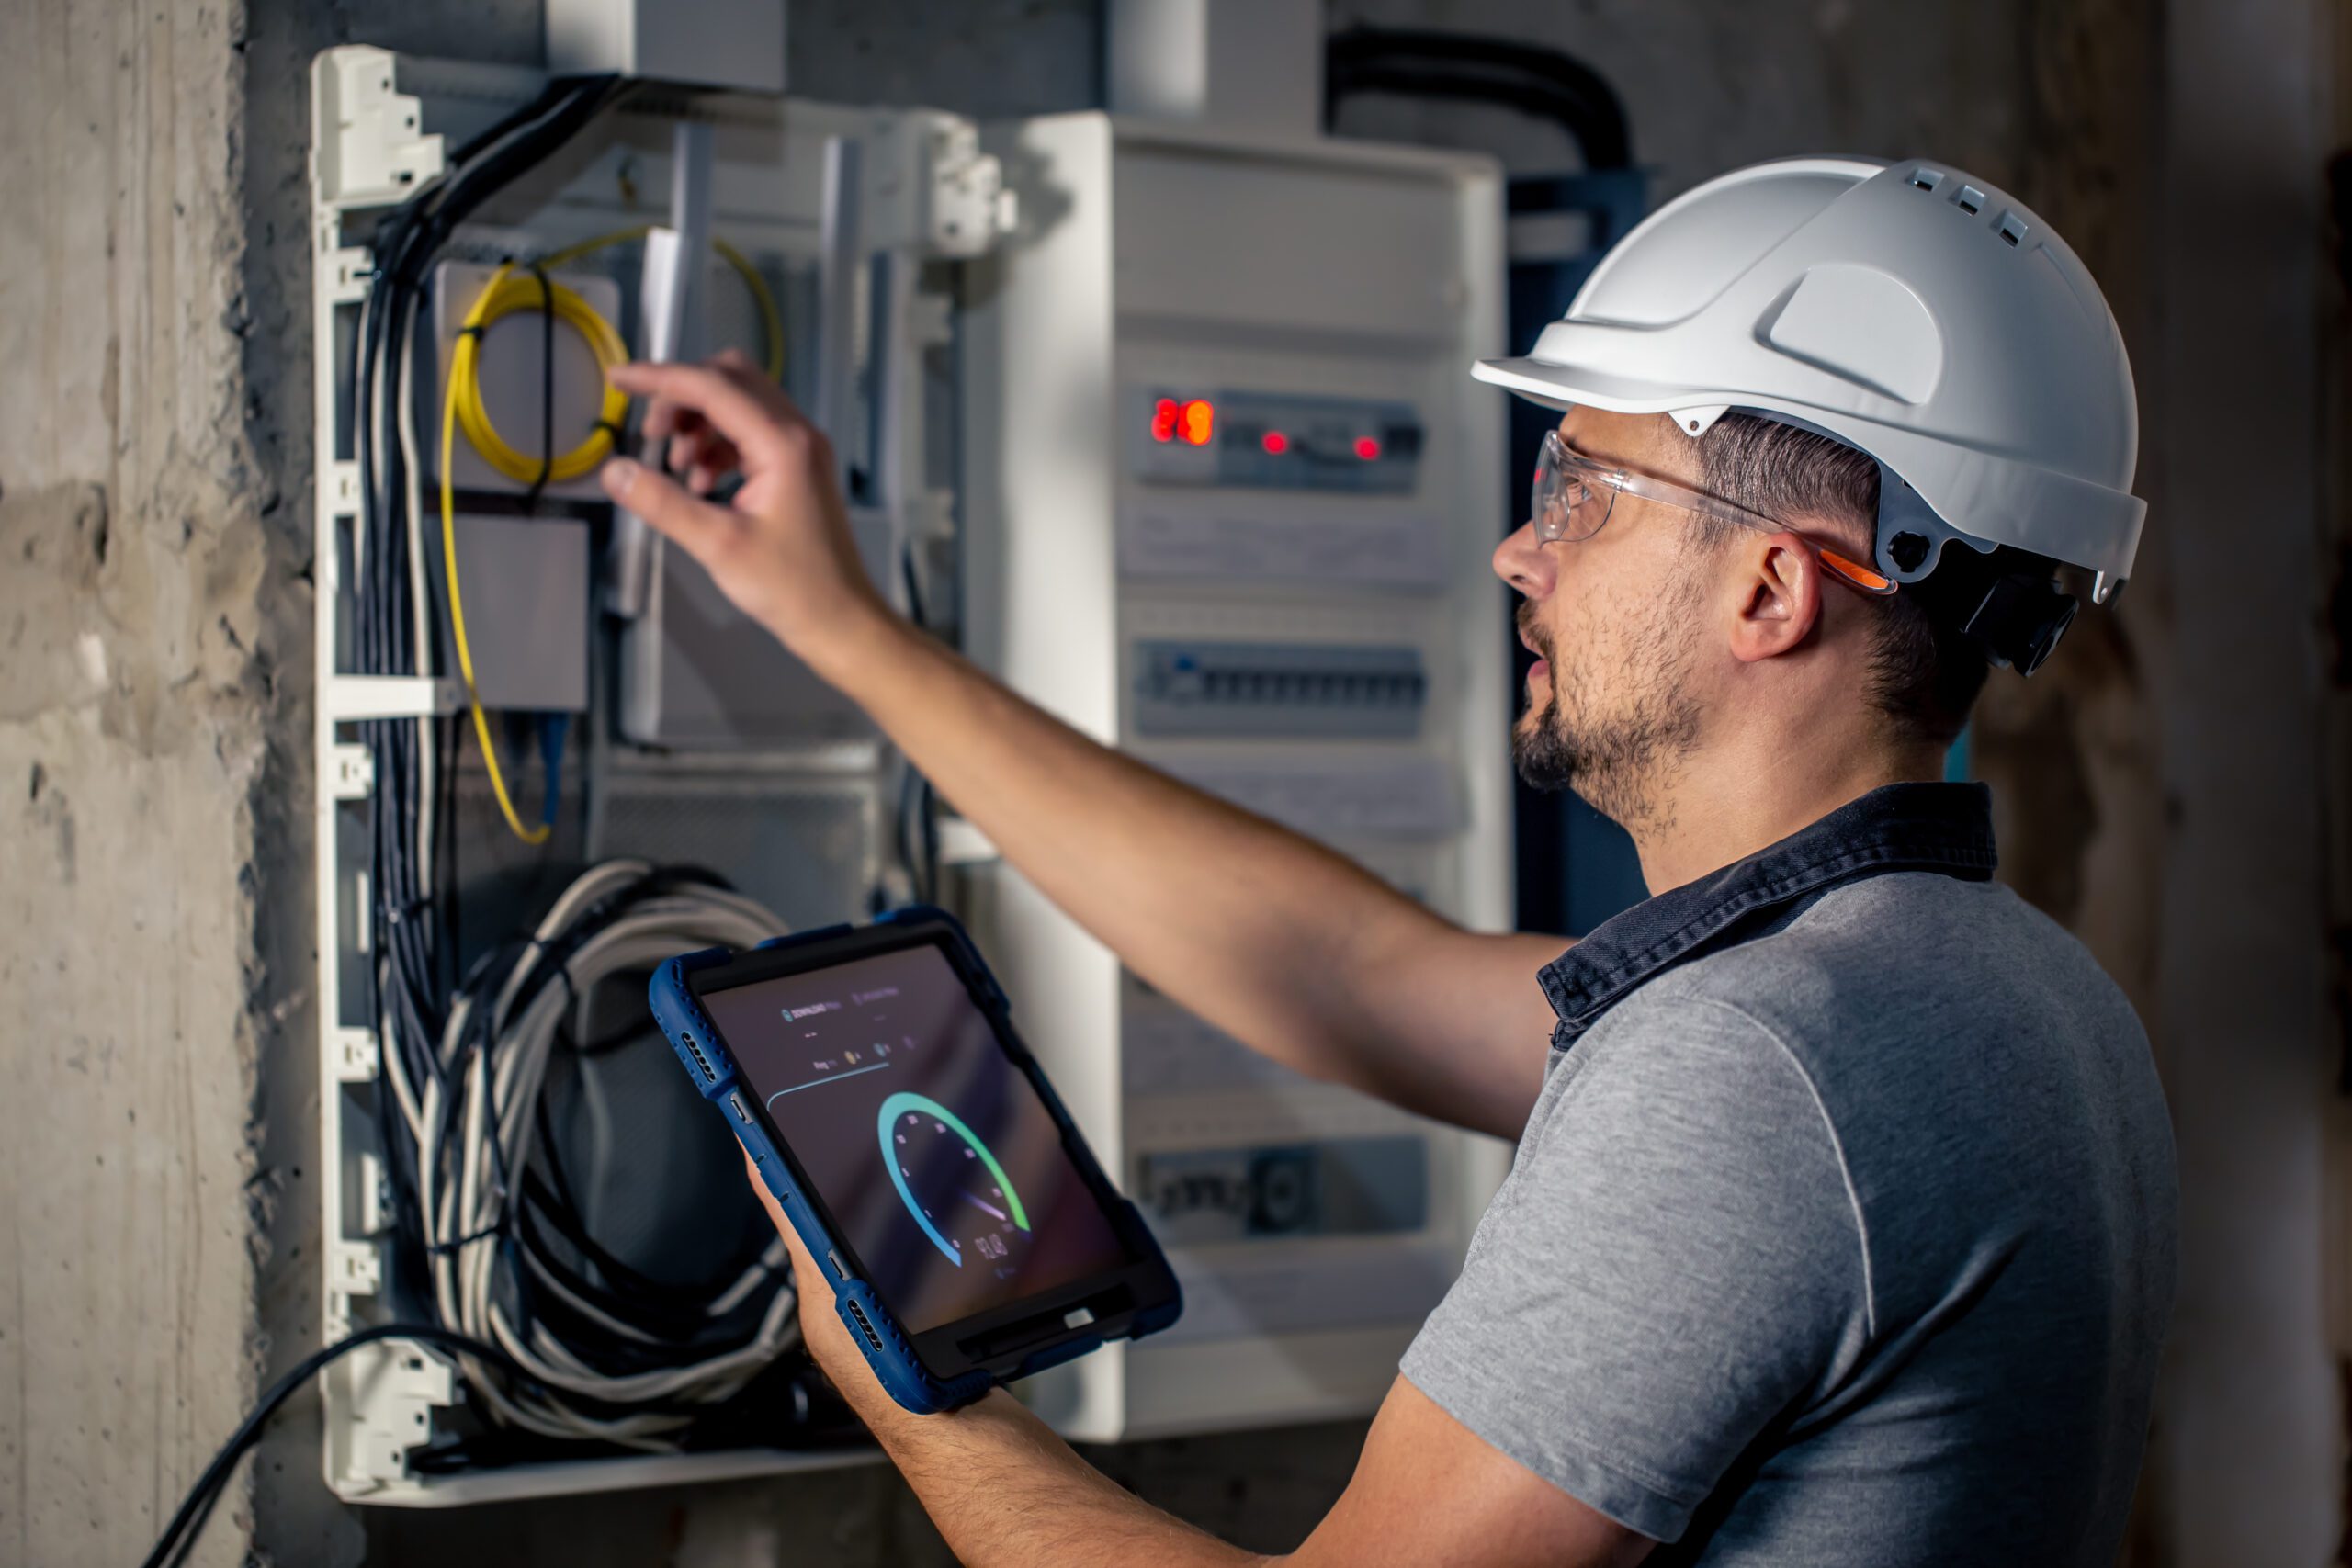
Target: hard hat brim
point(1563, 386)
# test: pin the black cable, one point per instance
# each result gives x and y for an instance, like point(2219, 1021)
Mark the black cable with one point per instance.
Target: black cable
point(546, 388)
point(1540, 81)
point(413, 967)
point(412, 929)
point(920, 855)
point(676, 1313)
point(188, 1522)
point(546, 1260)
point(1530, 98)
point(903, 838)
point(915, 611)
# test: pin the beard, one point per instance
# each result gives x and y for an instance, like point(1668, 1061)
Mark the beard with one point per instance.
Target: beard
point(1619, 756)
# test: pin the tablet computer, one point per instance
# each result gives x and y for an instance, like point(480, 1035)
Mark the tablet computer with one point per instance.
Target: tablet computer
point(874, 1076)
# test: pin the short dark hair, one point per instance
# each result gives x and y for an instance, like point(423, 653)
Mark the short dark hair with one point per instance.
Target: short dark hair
point(1925, 676)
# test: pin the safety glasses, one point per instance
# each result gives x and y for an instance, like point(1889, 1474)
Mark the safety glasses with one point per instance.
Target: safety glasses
point(1574, 496)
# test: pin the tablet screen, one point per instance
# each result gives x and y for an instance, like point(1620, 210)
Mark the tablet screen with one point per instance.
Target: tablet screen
point(940, 1166)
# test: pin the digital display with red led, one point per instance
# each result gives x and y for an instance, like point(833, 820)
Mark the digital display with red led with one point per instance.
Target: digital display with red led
point(1192, 421)
point(1280, 441)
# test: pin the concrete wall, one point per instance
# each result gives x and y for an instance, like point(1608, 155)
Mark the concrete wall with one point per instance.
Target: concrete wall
point(154, 919)
point(153, 618)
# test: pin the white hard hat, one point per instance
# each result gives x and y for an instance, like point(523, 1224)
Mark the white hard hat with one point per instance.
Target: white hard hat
point(1908, 309)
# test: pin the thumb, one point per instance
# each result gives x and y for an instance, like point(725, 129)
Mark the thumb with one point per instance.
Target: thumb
point(697, 525)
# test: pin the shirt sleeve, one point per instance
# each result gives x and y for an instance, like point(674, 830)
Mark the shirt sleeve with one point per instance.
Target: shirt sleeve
point(1673, 1263)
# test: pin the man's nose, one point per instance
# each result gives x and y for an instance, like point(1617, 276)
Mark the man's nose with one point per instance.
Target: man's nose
point(1524, 562)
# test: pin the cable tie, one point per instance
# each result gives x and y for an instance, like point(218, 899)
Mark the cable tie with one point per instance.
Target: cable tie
point(495, 1228)
point(562, 968)
point(546, 388)
point(476, 329)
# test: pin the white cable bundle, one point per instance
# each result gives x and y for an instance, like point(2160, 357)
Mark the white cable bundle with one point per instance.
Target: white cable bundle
point(469, 1209)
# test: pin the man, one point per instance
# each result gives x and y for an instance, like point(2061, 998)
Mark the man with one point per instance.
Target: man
point(1841, 1225)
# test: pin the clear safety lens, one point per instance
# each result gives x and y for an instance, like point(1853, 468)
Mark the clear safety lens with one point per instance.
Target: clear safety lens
point(1567, 504)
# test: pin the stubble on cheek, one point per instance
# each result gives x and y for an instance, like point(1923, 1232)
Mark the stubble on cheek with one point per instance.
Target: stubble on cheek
point(1616, 749)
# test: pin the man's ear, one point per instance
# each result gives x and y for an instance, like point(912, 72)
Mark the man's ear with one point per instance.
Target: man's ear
point(1779, 598)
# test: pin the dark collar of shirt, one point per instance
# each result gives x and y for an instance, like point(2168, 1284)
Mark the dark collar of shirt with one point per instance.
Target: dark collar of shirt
point(1945, 827)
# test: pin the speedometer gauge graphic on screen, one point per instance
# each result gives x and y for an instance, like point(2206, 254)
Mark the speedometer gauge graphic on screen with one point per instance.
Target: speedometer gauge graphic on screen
point(949, 1180)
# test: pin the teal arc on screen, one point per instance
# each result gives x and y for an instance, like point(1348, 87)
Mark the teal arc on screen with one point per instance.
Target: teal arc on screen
point(899, 1105)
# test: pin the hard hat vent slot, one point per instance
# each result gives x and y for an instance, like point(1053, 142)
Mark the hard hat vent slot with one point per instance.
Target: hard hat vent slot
point(1970, 200)
point(1926, 179)
point(2012, 228)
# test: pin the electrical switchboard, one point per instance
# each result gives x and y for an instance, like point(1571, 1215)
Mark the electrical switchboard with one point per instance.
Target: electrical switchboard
point(1221, 498)
point(1229, 502)
point(487, 242)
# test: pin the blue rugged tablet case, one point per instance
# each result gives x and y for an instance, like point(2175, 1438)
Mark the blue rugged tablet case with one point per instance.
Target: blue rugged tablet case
point(872, 1326)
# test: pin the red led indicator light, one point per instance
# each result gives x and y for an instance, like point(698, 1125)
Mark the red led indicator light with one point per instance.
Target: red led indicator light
point(1367, 448)
point(1163, 420)
point(1199, 422)
point(1274, 442)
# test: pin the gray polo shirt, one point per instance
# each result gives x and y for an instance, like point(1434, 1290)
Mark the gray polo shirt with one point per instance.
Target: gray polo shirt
point(1842, 1231)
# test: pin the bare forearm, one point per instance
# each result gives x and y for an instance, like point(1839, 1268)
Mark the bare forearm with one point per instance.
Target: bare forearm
point(1007, 1493)
point(1292, 949)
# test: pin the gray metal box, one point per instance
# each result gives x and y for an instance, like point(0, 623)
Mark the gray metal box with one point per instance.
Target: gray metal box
point(697, 675)
point(525, 586)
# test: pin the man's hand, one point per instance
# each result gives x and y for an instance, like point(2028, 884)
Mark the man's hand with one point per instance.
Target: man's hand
point(782, 550)
point(822, 1330)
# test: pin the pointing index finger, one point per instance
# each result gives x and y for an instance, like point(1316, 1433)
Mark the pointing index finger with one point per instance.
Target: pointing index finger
point(746, 417)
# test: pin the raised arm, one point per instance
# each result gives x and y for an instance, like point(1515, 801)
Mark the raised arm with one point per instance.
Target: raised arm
point(1292, 950)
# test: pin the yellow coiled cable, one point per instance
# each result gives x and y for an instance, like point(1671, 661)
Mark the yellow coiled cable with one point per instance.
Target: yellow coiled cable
point(771, 317)
point(507, 292)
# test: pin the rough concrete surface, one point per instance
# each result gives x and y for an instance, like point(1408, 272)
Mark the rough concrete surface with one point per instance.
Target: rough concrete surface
point(147, 601)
